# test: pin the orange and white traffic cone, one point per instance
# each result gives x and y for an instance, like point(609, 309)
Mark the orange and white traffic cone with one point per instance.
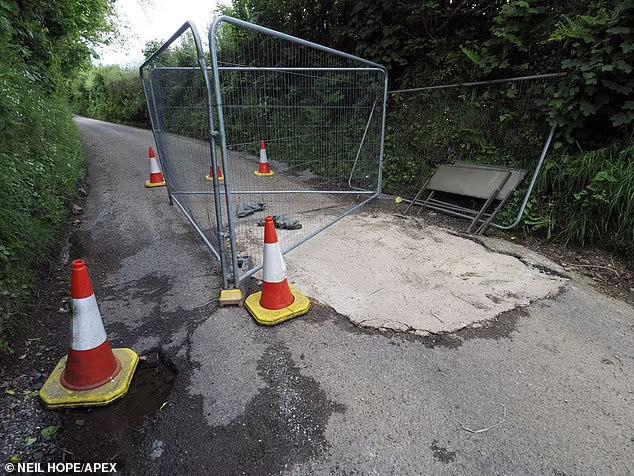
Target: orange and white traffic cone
point(156, 176)
point(264, 168)
point(92, 373)
point(210, 177)
point(278, 301)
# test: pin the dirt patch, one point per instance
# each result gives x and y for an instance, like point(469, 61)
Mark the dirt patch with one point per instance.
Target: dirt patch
point(609, 273)
point(502, 326)
point(35, 351)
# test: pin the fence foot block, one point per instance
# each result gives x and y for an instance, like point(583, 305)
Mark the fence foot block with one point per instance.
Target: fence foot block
point(231, 297)
point(269, 317)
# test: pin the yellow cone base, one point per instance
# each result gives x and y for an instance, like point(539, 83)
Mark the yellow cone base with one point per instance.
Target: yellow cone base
point(149, 184)
point(209, 178)
point(270, 174)
point(55, 395)
point(269, 317)
point(231, 297)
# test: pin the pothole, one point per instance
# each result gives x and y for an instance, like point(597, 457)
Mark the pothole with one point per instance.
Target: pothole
point(116, 423)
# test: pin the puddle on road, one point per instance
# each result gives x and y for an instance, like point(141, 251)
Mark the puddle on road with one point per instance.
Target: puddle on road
point(149, 390)
point(117, 423)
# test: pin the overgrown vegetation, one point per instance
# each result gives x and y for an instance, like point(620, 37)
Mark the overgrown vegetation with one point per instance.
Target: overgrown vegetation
point(42, 45)
point(110, 93)
point(585, 195)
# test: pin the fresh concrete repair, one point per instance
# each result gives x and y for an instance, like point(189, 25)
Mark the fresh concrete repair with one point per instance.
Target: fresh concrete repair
point(381, 272)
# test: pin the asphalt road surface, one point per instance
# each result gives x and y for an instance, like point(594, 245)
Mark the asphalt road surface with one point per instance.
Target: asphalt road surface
point(547, 389)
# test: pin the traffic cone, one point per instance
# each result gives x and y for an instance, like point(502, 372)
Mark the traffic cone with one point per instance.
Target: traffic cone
point(210, 177)
point(264, 169)
point(92, 373)
point(278, 301)
point(156, 176)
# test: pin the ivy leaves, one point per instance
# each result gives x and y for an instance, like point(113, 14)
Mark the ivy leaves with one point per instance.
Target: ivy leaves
point(600, 80)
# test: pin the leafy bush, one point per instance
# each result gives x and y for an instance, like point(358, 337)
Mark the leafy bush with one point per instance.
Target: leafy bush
point(435, 42)
point(588, 198)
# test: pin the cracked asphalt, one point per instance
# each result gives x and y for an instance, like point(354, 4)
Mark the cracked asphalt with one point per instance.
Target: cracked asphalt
point(542, 389)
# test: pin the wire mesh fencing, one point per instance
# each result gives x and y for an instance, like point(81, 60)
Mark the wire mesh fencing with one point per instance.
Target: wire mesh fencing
point(179, 96)
point(318, 115)
point(498, 123)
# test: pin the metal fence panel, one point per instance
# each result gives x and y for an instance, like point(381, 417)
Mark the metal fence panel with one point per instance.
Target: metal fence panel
point(498, 123)
point(321, 114)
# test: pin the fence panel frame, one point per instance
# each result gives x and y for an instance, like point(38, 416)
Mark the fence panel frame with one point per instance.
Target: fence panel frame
point(237, 276)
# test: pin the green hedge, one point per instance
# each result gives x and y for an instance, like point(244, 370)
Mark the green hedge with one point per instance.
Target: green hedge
point(42, 45)
point(110, 93)
point(40, 165)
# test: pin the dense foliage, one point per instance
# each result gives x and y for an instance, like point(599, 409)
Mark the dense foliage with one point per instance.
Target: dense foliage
point(110, 93)
point(42, 45)
point(442, 41)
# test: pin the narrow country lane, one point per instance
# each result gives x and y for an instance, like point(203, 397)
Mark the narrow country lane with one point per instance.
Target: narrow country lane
point(550, 386)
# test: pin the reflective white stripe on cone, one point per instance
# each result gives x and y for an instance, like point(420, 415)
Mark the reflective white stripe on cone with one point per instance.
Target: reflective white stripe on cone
point(87, 327)
point(274, 265)
point(154, 166)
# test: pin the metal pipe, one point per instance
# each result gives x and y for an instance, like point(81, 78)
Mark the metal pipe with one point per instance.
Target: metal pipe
point(164, 46)
point(284, 68)
point(284, 36)
point(379, 186)
point(213, 159)
point(480, 83)
point(156, 127)
point(412, 202)
point(213, 49)
point(198, 230)
point(274, 192)
point(365, 132)
point(251, 272)
point(542, 156)
point(449, 212)
point(269, 68)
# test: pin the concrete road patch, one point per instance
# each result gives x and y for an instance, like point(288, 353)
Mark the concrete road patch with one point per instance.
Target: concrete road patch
point(382, 273)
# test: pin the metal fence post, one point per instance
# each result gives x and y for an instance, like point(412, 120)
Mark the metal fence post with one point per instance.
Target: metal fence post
point(380, 180)
point(224, 154)
point(214, 163)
